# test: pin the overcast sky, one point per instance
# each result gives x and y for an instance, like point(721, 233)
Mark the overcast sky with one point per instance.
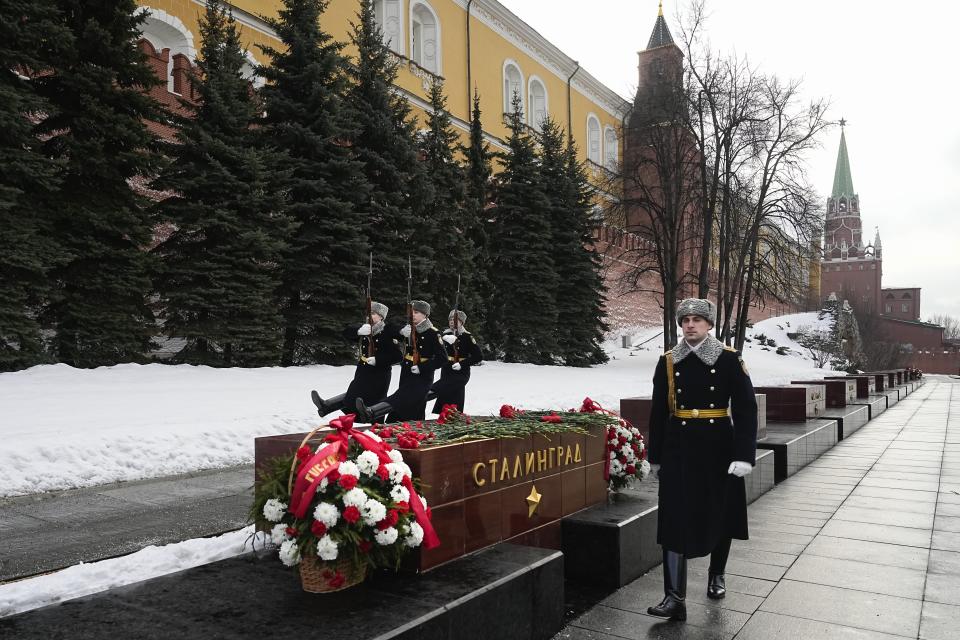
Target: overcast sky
point(892, 69)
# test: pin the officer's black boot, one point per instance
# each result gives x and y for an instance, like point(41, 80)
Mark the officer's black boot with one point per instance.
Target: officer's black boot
point(327, 406)
point(674, 604)
point(373, 413)
point(716, 583)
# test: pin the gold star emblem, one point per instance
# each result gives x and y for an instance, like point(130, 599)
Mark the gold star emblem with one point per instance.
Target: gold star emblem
point(533, 501)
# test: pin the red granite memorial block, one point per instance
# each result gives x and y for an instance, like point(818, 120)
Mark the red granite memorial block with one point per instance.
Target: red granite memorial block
point(793, 403)
point(879, 381)
point(838, 392)
point(636, 411)
point(863, 385)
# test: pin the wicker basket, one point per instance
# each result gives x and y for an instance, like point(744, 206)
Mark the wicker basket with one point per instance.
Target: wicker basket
point(319, 576)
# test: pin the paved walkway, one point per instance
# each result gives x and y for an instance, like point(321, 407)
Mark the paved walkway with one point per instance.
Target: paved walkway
point(863, 543)
point(49, 531)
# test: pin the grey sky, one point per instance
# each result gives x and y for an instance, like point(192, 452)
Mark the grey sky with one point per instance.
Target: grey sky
point(889, 68)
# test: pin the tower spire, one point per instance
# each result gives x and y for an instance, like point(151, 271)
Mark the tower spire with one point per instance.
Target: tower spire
point(660, 12)
point(661, 34)
point(842, 180)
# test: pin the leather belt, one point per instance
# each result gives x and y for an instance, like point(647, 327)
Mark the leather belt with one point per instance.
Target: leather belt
point(702, 413)
point(409, 357)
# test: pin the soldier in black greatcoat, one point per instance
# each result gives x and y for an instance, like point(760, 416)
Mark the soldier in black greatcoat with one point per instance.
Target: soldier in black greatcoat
point(423, 355)
point(462, 353)
point(703, 436)
point(371, 380)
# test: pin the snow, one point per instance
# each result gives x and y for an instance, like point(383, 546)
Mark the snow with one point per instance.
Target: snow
point(66, 428)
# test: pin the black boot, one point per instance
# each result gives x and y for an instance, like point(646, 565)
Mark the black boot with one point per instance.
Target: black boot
point(673, 605)
point(373, 413)
point(716, 582)
point(327, 406)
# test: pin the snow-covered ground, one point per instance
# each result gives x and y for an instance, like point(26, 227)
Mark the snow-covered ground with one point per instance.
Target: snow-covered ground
point(66, 428)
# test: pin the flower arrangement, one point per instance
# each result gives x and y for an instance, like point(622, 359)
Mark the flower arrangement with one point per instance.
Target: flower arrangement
point(344, 507)
point(626, 451)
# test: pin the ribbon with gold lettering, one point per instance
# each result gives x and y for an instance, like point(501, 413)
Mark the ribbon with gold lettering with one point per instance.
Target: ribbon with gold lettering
point(310, 476)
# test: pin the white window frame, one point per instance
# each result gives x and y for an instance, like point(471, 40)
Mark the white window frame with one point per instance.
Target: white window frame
point(598, 158)
point(532, 120)
point(610, 151)
point(394, 40)
point(507, 92)
point(438, 58)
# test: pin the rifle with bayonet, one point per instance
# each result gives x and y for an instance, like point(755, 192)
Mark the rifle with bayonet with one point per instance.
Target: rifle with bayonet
point(371, 343)
point(412, 340)
point(456, 323)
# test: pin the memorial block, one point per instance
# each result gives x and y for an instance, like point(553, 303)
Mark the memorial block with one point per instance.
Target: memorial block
point(793, 403)
point(865, 385)
point(636, 411)
point(838, 391)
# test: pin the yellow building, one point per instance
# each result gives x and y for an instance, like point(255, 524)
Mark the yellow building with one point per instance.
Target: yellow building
point(467, 43)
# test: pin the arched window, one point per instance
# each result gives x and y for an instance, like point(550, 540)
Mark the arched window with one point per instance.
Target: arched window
point(512, 85)
point(594, 148)
point(609, 148)
point(424, 36)
point(538, 103)
point(388, 15)
point(164, 31)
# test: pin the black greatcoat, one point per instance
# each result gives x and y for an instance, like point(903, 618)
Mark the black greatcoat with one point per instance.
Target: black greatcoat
point(700, 503)
point(409, 401)
point(451, 387)
point(371, 382)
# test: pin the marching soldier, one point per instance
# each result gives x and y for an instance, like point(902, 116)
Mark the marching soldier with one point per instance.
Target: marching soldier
point(462, 353)
point(379, 350)
point(703, 449)
point(423, 355)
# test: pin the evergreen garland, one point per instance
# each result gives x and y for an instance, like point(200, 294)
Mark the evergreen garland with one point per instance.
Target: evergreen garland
point(96, 91)
point(323, 268)
point(218, 272)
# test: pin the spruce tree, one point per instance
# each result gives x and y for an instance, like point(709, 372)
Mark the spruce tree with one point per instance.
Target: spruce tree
point(31, 36)
point(96, 93)
point(478, 171)
point(522, 267)
point(385, 143)
point(324, 266)
point(218, 271)
point(452, 217)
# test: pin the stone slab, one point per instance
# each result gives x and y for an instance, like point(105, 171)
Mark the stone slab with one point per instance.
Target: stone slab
point(797, 444)
point(764, 625)
point(849, 418)
point(763, 477)
point(875, 403)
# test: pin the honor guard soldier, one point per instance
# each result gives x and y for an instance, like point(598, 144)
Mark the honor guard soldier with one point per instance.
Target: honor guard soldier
point(379, 350)
point(703, 436)
point(462, 353)
point(423, 355)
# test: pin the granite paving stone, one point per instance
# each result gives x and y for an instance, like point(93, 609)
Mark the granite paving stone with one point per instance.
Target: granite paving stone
point(873, 552)
point(939, 621)
point(902, 506)
point(628, 624)
point(764, 625)
point(895, 494)
point(943, 577)
point(885, 516)
point(862, 576)
point(946, 541)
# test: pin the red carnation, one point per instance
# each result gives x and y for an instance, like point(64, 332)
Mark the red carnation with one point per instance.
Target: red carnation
point(589, 406)
point(336, 581)
point(506, 411)
point(387, 432)
point(333, 476)
point(303, 453)
point(622, 439)
point(365, 546)
point(402, 506)
point(553, 418)
point(348, 482)
point(351, 514)
point(318, 529)
point(389, 520)
point(293, 533)
point(631, 469)
point(383, 473)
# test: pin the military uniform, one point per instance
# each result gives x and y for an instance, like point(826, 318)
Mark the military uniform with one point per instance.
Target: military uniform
point(371, 382)
point(451, 387)
point(408, 402)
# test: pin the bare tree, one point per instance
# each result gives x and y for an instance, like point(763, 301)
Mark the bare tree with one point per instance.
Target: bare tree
point(951, 325)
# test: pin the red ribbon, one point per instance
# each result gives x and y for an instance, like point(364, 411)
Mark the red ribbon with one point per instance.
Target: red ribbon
point(339, 445)
point(592, 406)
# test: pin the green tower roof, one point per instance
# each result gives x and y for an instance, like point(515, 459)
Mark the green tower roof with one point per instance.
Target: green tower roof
point(842, 180)
point(661, 34)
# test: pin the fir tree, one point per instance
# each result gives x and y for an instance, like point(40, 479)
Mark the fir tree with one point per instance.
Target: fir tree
point(522, 268)
point(454, 250)
point(31, 35)
point(325, 264)
point(218, 273)
point(478, 172)
point(385, 143)
point(96, 126)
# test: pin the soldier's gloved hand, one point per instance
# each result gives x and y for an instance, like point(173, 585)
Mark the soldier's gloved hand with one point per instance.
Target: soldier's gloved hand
point(739, 468)
point(364, 330)
point(372, 360)
point(405, 331)
point(415, 369)
point(455, 366)
point(449, 338)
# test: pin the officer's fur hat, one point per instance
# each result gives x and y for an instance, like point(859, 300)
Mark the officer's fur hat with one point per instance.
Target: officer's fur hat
point(697, 307)
point(380, 309)
point(460, 314)
point(422, 306)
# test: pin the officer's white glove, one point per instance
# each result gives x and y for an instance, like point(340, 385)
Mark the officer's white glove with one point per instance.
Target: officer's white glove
point(415, 369)
point(449, 338)
point(739, 468)
point(455, 366)
point(372, 360)
point(364, 330)
point(405, 331)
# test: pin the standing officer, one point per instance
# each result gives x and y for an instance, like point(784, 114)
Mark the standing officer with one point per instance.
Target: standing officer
point(424, 354)
point(378, 351)
point(702, 453)
point(462, 353)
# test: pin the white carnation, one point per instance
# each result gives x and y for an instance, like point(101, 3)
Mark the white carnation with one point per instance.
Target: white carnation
point(386, 537)
point(348, 468)
point(279, 534)
point(273, 510)
point(355, 498)
point(327, 514)
point(627, 453)
point(289, 553)
point(327, 549)
point(615, 467)
point(399, 493)
point(423, 500)
point(323, 485)
point(613, 455)
point(368, 462)
point(644, 468)
point(373, 512)
point(398, 470)
point(395, 455)
point(415, 537)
